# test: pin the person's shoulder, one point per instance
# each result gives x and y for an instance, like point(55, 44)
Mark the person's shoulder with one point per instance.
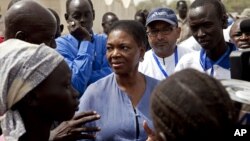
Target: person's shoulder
point(146, 61)
point(66, 36)
point(189, 60)
point(190, 57)
point(190, 43)
point(151, 80)
point(16, 43)
point(103, 82)
point(66, 39)
point(99, 36)
point(184, 50)
point(99, 87)
point(148, 54)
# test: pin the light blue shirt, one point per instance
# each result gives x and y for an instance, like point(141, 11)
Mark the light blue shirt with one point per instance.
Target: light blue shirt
point(118, 118)
point(87, 60)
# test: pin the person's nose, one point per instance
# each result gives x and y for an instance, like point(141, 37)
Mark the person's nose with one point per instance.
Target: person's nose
point(83, 19)
point(200, 32)
point(159, 35)
point(116, 53)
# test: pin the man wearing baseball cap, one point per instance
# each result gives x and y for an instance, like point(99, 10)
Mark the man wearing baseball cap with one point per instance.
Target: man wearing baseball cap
point(163, 32)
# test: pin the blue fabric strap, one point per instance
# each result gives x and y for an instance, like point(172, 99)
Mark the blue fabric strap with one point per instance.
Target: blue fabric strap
point(159, 64)
point(223, 61)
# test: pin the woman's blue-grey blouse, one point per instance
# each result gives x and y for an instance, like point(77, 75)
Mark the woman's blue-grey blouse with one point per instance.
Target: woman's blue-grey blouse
point(119, 119)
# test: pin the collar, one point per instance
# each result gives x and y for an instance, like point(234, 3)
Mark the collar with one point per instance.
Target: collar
point(223, 61)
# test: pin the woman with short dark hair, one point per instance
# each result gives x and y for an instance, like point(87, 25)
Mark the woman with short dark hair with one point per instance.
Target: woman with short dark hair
point(122, 98)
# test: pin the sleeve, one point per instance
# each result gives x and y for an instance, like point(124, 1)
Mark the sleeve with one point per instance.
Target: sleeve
point(87, 100)
point(80, 63)
point(105, 69)
point(87, 103)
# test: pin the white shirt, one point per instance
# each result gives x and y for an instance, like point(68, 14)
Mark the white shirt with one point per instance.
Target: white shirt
point(192, 60)
point(150, 67)
point(190, 43)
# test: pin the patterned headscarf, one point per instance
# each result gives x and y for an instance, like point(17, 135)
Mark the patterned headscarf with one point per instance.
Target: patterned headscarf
point(23, 67)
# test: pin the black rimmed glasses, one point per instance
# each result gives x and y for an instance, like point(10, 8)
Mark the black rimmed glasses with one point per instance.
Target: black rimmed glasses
point(164, 31)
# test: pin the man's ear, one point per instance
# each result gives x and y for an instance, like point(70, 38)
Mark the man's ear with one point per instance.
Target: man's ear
point(93, 14)
point(66, 16)
point(21, 35)
point(61, 27)
point(178, 32)
point(224, 21)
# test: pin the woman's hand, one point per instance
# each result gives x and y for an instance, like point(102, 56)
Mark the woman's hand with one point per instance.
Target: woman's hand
point(74, 129)
point(150, 132)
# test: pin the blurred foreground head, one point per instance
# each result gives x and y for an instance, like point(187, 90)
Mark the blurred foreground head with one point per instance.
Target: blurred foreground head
point(192, 106)
point(29, 21)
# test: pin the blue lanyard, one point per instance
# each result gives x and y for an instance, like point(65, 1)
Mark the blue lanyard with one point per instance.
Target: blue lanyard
point(159, 64)
point(203, 60)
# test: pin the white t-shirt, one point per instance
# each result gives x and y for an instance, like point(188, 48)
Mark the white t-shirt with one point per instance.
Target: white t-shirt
point(150, 67)
point(192, 60)
point(190, 43)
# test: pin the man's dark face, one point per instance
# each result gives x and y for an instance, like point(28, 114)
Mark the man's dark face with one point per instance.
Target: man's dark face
point(182, 10)
point(239, 38)
point(206, 26)
point(81, 11)
point(108, 22)
point(140, 19)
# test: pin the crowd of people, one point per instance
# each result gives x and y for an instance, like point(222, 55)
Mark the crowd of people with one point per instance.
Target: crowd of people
point(155, 77)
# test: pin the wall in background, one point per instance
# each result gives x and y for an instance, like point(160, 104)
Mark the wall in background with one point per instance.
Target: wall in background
point(99, 6)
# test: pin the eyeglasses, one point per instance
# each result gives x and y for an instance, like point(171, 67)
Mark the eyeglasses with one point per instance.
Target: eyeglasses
point(165, 31)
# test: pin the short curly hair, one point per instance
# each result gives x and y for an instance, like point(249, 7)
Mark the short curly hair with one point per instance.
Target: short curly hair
point(133, 28)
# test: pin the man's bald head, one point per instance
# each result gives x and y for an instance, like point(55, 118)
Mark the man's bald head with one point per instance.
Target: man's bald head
point(29, 21)
point(12, 2)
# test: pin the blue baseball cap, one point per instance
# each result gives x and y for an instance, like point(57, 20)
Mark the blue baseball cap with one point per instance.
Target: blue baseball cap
point(162, 14)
